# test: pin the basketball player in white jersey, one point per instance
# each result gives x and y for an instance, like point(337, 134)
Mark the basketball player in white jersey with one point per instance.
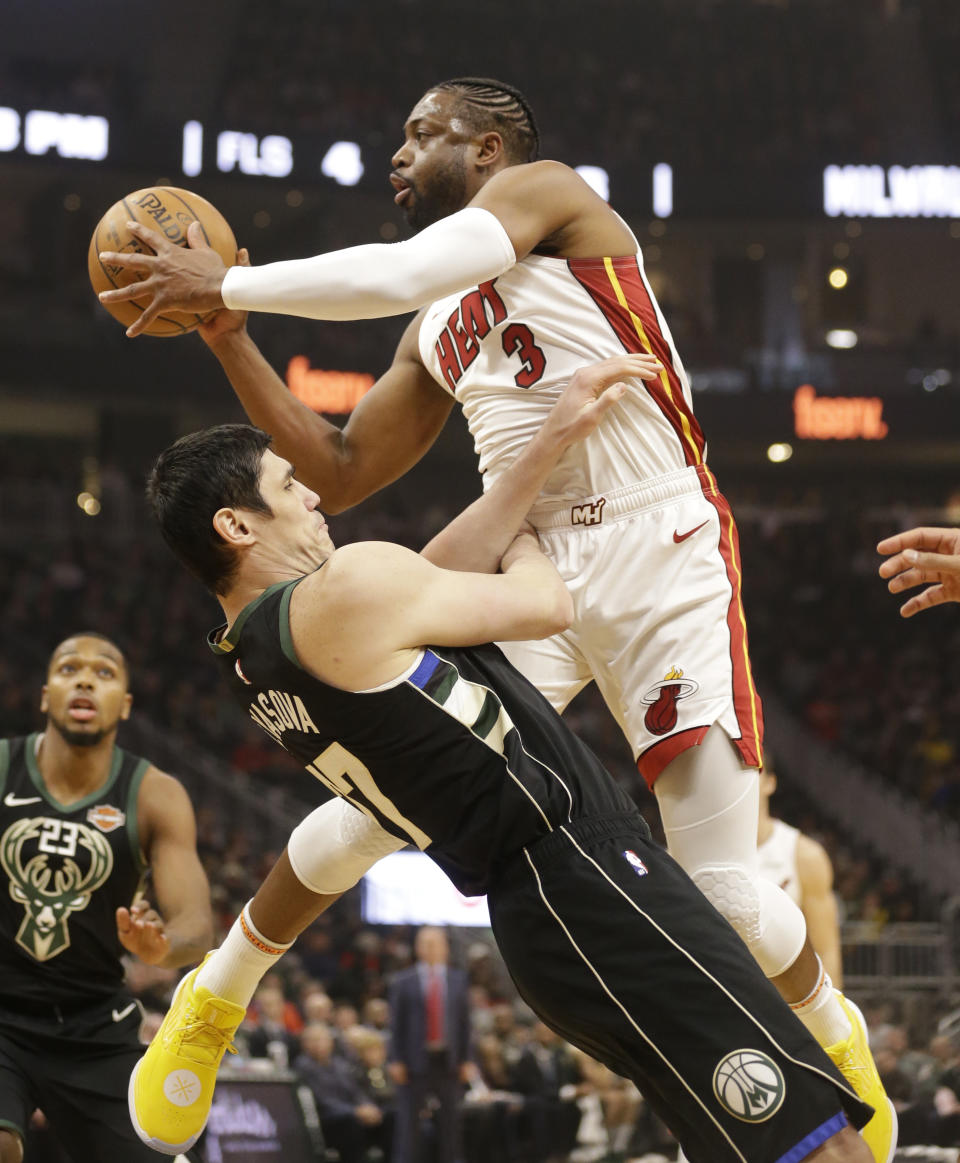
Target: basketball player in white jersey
point(801, 867)
point(521, 274)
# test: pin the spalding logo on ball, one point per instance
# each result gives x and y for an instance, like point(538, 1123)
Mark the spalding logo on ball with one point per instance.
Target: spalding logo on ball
point(749, 1084)
point(169, 211)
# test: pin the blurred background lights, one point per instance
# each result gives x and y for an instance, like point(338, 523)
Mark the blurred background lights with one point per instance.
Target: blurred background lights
point(842, 338)
point(838, 278)
point(778, 453)
point(342, 163)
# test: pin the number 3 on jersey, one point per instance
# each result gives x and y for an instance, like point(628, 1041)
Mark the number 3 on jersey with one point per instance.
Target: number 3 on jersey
point(346, 775)
point(518, 340)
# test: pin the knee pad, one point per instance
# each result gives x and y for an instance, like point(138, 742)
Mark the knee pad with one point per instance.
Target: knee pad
point(765, 918)
point(783, 930)
point(335, 845)
point(733, 893)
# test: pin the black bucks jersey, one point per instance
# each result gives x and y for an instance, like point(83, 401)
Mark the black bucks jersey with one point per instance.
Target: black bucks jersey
point(461, 756)
point(65, 871)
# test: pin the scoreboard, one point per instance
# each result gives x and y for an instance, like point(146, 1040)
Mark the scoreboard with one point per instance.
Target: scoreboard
point(660, 187)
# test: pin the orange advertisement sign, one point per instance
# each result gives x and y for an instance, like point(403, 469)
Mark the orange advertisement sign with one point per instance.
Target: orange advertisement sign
point(326, 391)
point(837, 417)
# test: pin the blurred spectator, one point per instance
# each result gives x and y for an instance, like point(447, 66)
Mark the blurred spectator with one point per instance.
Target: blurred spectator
point(546, 1073)
point(274, 1022)
point(350, 1120)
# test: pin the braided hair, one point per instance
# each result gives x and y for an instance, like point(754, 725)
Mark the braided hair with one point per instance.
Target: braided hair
point(487, 105)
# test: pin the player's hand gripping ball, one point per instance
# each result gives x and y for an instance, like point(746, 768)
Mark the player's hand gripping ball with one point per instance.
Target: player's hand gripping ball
point(168, 211)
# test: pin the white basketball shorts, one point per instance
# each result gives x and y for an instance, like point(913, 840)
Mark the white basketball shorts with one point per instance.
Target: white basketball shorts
point(654, 570)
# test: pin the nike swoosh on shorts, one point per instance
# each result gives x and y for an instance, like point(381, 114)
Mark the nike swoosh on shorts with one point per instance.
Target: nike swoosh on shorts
point(119, 1015)
point(678, 537)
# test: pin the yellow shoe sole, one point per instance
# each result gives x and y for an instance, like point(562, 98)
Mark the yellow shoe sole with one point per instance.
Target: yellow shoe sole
point(156, 1144)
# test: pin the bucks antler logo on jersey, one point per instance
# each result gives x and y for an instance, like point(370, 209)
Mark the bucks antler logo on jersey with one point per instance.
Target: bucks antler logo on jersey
point(50, 891)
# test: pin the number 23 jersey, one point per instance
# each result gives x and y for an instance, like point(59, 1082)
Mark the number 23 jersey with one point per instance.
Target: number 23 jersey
point(64, 871)
point(507, 348)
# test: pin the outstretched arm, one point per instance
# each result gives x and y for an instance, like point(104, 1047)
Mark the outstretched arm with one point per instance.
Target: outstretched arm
point(181, 931)
point(517, 209)
point(390, 429)
point(360, 282)
point(923, 556)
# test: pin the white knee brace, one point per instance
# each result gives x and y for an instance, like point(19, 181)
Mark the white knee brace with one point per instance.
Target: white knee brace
point(767, 920)
point(334, 846)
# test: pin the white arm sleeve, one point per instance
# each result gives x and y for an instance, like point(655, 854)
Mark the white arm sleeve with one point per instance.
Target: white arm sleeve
point(334, 846)
point(367, 282)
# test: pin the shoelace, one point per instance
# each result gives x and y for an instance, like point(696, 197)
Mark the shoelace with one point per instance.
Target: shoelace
point(848, 1065)
point(203, 1041)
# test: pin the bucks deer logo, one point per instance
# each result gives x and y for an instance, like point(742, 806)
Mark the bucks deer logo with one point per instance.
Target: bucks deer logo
point(51, 892)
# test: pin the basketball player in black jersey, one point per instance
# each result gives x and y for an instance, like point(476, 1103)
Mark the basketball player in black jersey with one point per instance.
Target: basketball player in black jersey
point(81, 823)
point(446, 746)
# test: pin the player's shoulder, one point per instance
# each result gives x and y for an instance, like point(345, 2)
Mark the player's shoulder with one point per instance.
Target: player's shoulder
point(157, 784)
point(813, 860)
point(356, 561)
point(353, 574)
point(164, 806)
point(542, 175)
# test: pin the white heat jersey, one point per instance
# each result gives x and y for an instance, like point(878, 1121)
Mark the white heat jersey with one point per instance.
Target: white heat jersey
point(507, 348)
point(778, 858)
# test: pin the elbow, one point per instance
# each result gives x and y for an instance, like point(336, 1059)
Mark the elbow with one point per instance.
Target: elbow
point(560, 615)
point(331, 506)
point(344, 497)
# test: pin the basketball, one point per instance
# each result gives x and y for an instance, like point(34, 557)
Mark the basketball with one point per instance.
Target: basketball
point(169, 211)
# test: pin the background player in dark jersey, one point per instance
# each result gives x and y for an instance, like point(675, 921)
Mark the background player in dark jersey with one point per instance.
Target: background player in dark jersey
point(81, 822)
point(449, 747)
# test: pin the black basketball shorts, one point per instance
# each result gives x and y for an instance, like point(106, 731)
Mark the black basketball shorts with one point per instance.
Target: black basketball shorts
point(612, 945)
point(75, 1067)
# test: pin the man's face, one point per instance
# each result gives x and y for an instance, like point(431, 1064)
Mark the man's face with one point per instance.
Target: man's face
point(85, 695)
point(430, 172)
point(318, 1043)
point(295, 526)
point(432, 946)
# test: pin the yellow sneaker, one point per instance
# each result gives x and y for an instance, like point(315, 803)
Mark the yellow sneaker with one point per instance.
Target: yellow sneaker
point(855, 1062)
point(171, 1087)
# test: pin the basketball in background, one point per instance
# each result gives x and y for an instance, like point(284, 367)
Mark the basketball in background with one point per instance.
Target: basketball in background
point(169, 211)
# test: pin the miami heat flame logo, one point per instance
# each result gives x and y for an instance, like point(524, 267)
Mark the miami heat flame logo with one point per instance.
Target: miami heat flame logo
point(662, 699)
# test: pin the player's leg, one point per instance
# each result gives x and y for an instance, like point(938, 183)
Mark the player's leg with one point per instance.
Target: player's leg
point(613, 946)
point(171, 1087)
point(17, 1101)
point(683, 690)
point(84, 1085)
point(709, 806)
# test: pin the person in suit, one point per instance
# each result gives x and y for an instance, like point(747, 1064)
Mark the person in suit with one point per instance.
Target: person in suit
point(429, 1047)
point(350, 1120)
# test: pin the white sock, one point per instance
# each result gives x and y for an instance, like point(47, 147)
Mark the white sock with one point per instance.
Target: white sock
point(821, 1012)
point(234, 970)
